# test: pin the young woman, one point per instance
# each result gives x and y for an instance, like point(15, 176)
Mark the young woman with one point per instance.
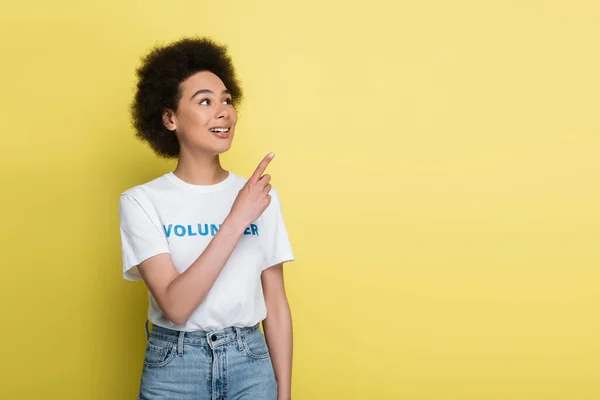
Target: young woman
point(209, 244)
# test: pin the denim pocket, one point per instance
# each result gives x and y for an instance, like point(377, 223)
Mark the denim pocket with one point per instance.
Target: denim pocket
point(255, 345)
point(158, 353)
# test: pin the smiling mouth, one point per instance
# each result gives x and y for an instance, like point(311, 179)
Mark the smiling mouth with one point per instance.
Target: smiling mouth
point(220, 132)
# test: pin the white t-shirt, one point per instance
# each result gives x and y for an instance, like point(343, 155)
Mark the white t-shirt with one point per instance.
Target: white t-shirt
point(169, 215)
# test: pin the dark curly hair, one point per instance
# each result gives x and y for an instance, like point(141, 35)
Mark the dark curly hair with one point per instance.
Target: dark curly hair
point(162, 71)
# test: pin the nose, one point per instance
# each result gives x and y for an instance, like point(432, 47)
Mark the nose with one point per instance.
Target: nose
point(222, 112)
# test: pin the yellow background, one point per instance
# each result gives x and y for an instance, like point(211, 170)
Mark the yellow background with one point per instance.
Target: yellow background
point(437, 161)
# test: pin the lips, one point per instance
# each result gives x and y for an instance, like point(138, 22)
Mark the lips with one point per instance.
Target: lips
point(221, 135)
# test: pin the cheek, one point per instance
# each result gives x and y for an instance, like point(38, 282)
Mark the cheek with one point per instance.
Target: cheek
point(199, 117)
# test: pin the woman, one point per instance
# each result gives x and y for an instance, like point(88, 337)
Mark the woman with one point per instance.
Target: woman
point(209, 244)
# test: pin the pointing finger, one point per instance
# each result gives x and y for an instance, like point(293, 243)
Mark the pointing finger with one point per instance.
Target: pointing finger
point(261, 168)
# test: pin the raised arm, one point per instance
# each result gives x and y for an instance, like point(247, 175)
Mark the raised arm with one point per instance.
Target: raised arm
point(178, 295)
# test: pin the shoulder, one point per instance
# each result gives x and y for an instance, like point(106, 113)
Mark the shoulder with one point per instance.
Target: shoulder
point(145, 190)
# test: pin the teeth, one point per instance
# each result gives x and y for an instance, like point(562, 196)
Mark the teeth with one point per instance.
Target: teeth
point(220, 129)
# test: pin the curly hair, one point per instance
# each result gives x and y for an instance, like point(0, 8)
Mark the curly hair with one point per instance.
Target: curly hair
point(163, 70)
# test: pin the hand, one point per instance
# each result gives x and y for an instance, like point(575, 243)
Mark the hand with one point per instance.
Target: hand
point(253, 199)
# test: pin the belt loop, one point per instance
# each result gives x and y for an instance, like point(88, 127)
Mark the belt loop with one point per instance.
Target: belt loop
point(238, 333)
point(180, 343)
point(147, 332)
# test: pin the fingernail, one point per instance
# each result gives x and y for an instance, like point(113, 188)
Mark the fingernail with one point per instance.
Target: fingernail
point(271, 154)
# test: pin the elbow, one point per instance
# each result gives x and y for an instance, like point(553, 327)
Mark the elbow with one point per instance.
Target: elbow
point(172, 308)
point(178, 320)
point(177, 317)
point(178, 310)
point(179, 313)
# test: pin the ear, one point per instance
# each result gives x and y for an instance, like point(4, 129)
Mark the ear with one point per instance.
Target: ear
point(168, 118)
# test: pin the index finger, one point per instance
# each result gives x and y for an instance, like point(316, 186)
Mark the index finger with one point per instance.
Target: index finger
point(261, 168)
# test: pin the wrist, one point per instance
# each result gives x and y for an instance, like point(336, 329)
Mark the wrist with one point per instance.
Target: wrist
point(234, 224)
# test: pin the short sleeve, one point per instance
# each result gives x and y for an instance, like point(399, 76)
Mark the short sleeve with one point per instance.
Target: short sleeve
point(141, 238)
point(277, 247)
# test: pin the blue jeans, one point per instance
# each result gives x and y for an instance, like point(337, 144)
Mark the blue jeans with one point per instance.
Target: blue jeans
point(227, 364)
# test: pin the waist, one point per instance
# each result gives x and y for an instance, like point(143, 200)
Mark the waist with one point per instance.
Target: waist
point(203, 337)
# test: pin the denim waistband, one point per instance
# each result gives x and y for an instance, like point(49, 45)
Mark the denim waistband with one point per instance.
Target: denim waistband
point(201, 338)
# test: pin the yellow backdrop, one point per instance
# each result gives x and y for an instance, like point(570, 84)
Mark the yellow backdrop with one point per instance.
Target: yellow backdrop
point(438, 166)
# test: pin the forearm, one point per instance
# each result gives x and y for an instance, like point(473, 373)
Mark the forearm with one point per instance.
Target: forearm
point(279, 337)
point(190, 288)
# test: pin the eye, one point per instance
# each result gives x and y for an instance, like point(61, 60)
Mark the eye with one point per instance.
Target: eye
point(204, 100)
point(228, 100)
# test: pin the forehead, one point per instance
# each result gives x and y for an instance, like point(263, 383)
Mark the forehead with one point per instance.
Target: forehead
point(203, 80)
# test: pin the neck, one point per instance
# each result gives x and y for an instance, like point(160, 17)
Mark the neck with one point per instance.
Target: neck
point(200, 169)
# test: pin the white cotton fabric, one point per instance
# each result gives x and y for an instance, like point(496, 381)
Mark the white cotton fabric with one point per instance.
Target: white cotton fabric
point(169, 215)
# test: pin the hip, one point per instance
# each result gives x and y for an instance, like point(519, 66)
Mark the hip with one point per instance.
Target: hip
point(216, 364)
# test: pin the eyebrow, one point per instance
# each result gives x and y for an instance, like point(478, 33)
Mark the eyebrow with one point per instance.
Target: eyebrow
point(208, 91)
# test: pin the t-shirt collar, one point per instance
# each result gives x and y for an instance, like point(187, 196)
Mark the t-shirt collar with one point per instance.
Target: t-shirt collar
point(200, 188)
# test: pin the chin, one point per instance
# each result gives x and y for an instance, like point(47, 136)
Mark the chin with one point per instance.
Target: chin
point(210, 147)
point(222, 149)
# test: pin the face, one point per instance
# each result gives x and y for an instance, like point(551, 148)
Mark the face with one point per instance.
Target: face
point(205, 119)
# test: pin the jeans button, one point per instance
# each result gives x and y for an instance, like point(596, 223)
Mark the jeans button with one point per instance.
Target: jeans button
point(213, 337)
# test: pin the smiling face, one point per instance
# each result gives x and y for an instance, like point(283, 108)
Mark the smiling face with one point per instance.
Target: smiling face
point(205, 119)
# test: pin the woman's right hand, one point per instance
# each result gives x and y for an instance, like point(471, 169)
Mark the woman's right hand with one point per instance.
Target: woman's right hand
point(253, 198)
